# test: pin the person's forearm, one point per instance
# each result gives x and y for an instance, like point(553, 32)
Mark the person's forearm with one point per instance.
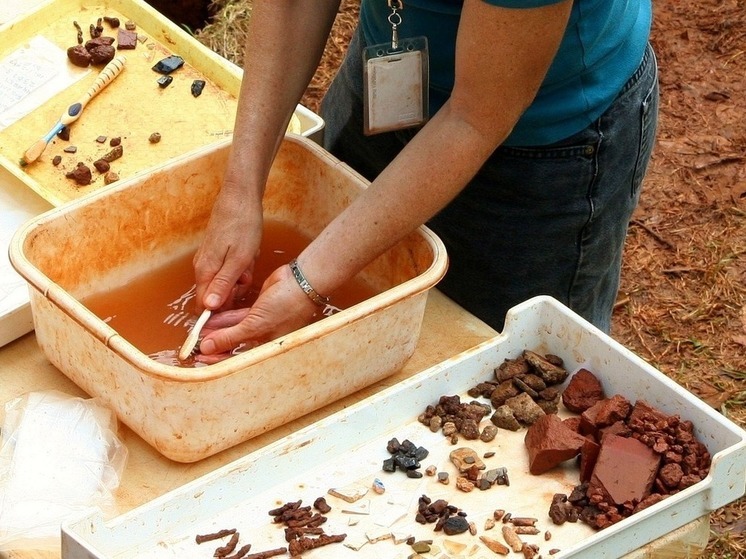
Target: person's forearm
point(493, 86)
point(285, 42)
point(426, 175)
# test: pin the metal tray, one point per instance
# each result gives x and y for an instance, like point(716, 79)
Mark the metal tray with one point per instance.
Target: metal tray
point(349, 446)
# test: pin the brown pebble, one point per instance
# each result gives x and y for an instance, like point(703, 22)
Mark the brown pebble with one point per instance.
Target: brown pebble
point(56, 160)
point(114, 154)
point(547, 536)
point(321, 505)
point(102, 54)
point(489, 454)
point(101, 165)
point(130, 25)
point(81, 174)
point(110, 177)
point(101, 139)
point(79, 56)
point(112, 21)
point(114, 142)
point(64, 133)
point(154, 138)
point(70, 149)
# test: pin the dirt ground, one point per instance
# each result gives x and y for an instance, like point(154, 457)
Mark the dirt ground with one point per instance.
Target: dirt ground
point(682, 305)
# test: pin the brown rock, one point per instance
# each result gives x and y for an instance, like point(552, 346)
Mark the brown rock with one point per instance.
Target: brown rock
point(625, 470)
point(583, 391)
point(79, 56)
point(81, 174)
point(101, 165)
point(525, 410)
point(550, 442)
point(549, 372)
point(504, 419)
point(511, 368)
point(464, 458)
point(98, 42)
point(102, 54)
point(504, 390)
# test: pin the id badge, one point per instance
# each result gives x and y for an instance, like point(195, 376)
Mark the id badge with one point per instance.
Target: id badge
point(396, 86)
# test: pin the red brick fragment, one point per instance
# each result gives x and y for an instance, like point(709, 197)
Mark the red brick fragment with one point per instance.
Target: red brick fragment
point(625, 470)
point(588, 457)
point(126, 40)
point(583, 391)
point(550, 442)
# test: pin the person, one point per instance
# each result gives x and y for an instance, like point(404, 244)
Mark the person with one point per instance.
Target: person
point(541, 122)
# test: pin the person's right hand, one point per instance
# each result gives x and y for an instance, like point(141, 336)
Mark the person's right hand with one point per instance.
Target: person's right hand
point(224, 262)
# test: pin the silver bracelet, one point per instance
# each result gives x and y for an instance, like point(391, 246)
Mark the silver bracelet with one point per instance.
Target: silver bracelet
point(320, 300)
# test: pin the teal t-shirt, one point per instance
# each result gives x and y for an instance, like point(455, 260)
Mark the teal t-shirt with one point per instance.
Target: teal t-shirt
point(602, 47)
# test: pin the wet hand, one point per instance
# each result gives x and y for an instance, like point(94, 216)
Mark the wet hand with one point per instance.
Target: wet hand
point(281, 308)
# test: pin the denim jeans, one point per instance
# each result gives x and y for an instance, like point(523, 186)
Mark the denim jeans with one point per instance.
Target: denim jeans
point(541, 220)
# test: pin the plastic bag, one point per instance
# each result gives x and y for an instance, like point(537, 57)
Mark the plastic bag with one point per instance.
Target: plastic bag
point(60, 457)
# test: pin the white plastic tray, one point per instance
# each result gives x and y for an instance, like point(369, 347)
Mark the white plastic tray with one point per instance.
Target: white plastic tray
point(349, 447)
point(17, 204)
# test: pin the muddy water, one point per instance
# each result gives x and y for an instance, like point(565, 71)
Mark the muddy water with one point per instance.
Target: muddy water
point(156, 311)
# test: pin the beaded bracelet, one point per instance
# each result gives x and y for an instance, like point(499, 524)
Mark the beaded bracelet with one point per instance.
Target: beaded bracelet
point(320, 300)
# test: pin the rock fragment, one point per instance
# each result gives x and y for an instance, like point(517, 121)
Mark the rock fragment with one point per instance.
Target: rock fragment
point(549, 442)
point(582, 392)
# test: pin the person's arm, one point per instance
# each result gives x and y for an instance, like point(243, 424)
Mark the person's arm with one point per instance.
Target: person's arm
point(502, 56)
point(285, 42)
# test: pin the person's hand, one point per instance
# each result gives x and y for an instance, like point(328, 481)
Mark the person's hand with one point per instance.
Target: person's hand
point(224, 262)
point(281, 308)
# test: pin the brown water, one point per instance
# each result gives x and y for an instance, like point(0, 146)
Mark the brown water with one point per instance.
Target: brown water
point(155, 312)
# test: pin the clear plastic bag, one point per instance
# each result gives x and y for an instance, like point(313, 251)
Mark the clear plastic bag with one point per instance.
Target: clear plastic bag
point(60, 456)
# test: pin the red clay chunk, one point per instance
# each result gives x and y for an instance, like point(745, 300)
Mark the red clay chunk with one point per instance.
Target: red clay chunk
point(588, 457)
point(126, 39)
point(550, 442)
point(583, 390)
point(613, 409)
point(625, 469)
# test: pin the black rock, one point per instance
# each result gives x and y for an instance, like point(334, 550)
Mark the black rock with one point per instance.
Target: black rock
point(169, 64)
point(165, 81)
point(197, 87)
point(455, 525)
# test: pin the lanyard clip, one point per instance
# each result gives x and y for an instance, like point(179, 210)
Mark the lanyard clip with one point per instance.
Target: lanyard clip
point(395, 21)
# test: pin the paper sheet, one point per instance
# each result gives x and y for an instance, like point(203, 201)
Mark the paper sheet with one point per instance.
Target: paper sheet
point(30, 76)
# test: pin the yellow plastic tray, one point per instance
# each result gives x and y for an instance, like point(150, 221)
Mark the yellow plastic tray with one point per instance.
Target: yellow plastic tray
point(132, 107)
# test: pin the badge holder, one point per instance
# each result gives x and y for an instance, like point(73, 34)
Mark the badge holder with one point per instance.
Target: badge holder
point(396, 79)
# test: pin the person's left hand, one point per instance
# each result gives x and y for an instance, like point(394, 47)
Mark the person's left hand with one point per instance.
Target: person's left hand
point(281, 308)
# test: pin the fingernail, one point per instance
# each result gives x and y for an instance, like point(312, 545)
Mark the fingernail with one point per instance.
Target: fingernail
point(213, 300)
point(207, 347)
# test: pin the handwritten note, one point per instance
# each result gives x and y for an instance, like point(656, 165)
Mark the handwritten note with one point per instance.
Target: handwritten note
point(30, 76)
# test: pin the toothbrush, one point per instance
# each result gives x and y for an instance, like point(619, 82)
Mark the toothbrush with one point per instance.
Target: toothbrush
point(107, 75)
point(191, 341)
